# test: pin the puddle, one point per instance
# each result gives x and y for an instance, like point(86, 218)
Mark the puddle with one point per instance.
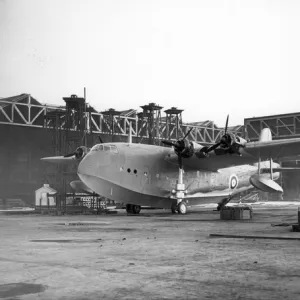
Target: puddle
point(18, 289)
point(85, 228)
point(118, 229)
point(67, 241)
point(82, 224)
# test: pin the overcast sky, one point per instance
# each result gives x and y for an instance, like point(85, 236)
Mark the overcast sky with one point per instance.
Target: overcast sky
point(209, 58)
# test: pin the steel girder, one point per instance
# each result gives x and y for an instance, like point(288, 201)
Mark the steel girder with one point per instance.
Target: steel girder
point(32, 115)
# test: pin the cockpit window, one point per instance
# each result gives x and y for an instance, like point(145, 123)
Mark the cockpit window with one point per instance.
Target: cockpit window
point(95, 148)
point(109, 148)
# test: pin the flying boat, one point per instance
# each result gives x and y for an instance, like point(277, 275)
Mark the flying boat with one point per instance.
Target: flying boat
point(181, 173)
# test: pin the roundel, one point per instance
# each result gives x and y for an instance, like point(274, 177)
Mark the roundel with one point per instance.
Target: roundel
point(233, 182)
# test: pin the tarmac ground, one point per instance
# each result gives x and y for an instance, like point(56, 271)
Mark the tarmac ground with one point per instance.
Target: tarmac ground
point(154, 255)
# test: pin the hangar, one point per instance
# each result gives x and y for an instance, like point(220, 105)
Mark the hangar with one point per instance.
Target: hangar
point(31, 130)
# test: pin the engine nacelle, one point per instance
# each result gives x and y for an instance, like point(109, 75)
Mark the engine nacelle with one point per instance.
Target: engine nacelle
point(230, 143)
point(185, 148)
point(81, 152)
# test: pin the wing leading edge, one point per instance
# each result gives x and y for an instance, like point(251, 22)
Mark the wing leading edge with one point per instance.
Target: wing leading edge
point(275, 149)
point(60, 159)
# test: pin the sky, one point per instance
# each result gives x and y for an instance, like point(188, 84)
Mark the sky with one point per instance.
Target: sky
point(210, 58)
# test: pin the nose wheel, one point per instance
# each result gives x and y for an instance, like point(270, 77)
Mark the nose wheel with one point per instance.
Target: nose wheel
point(182, 208)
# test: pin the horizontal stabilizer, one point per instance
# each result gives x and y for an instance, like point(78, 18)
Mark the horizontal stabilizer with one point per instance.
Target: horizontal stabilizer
point(60, 159)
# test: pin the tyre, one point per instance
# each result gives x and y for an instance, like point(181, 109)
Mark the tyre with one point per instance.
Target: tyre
point(182, 208)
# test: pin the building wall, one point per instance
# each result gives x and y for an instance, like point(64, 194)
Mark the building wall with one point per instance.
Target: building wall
point(21, 170)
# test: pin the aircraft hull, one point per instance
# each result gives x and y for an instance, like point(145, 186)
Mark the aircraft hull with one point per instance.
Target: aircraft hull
point(146, 175)
point(123, 195)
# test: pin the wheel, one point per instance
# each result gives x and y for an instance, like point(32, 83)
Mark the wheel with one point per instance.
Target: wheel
point(182, 209)
point(136, 209)
point(174, 208)
point(129, 208)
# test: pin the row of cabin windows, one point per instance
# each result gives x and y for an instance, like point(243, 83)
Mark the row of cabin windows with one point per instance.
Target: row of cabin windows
point(110, 148)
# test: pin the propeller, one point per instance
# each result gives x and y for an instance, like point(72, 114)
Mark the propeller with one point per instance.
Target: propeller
point(78, 153)
point(182, 147)
point(225, 140)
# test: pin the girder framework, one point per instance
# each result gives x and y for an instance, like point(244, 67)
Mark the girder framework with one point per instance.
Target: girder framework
point(281, 126)
point(28, 113)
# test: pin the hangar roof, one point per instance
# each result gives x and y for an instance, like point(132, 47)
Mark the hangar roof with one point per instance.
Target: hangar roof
point(22, 98)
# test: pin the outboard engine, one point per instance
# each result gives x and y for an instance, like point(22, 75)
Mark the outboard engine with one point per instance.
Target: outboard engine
point(79, 153)
point(228, 144)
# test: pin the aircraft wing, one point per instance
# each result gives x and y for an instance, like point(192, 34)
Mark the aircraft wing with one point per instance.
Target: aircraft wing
point(69, 158)
point(276, 148)
point(285, 169)
point(60, 159)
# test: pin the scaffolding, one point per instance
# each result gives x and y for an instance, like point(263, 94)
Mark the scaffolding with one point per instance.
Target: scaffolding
point(69, 131)
point(75, 123)
point(53, 173)
point(110, 118)
point(173, 122)
point(150, 122)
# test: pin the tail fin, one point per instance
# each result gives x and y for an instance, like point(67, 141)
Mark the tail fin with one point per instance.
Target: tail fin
point(265, 135)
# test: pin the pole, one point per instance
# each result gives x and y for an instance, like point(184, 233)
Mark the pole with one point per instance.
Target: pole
point(85, 120)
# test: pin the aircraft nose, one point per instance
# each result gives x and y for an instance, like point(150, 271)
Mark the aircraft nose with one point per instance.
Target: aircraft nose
point(95, 163)
point(86, 166)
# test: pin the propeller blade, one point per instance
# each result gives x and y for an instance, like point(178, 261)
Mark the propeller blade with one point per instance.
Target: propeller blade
point(70, 154)
point(168, 143)
point(188, 133)
point(213, 147)
point(226, 126)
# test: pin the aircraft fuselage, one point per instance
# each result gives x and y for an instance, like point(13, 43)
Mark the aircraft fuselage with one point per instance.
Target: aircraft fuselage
point(145, 175)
